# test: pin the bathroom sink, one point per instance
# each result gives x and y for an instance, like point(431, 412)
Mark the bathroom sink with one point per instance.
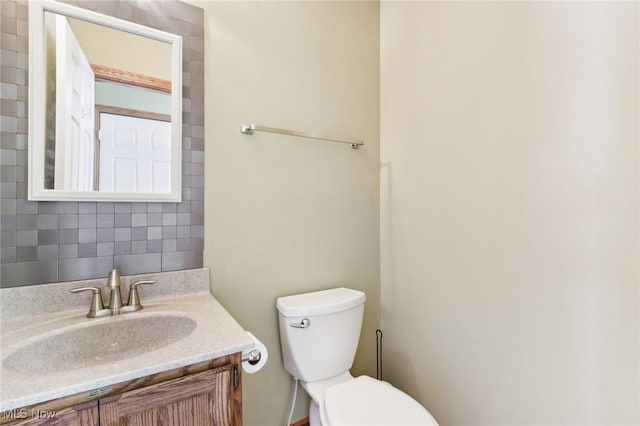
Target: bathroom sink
point(97, 343)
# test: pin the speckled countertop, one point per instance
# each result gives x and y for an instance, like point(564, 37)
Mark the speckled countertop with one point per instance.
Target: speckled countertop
point(206, 331)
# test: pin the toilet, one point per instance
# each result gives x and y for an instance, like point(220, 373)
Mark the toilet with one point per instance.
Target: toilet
point(319, 334)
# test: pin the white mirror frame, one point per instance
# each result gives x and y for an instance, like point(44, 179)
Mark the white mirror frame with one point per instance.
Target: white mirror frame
point(37, 105)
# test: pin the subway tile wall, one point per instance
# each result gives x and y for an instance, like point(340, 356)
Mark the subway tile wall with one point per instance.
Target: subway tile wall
point(43, 242)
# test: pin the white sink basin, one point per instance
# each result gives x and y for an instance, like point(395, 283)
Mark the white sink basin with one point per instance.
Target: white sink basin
point(104, 341)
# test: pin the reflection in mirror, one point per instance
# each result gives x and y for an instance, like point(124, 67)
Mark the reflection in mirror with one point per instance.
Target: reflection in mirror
point(111, 108)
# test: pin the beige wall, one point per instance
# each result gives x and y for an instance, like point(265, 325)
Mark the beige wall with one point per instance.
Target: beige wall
point(509, 209)
point(105, 46)
point(287, 215)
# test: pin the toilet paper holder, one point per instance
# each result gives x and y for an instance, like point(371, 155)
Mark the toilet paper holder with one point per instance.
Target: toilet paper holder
point(252, 357)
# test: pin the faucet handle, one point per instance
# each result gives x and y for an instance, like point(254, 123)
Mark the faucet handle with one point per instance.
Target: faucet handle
point(134, 297)
point(96, 301)
point(114, 279)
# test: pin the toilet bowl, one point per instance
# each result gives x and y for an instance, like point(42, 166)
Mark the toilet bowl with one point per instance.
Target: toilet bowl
point(319, 334)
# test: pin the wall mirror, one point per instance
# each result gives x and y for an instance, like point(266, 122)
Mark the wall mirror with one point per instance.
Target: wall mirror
point(105, 107)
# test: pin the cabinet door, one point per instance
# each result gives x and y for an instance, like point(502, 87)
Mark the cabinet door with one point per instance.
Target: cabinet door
point(205, 398)
point(78, 415)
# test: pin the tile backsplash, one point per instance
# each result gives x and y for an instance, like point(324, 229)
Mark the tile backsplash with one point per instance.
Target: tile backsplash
point(43, 242)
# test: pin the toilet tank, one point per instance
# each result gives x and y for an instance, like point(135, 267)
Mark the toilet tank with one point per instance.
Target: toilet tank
point(325, 345)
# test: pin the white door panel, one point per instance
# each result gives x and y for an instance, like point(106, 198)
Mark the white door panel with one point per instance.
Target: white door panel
point(75, 112)
point(135, 154)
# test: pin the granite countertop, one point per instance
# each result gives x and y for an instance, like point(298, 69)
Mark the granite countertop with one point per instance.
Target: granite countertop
point(215, 334)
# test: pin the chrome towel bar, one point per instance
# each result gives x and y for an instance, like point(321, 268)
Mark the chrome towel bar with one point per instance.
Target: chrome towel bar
point(249, 129)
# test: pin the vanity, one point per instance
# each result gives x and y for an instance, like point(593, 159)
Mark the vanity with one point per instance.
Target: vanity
point(177, 361)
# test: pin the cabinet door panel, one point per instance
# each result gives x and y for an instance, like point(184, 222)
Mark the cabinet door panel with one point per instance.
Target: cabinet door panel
point(198, 399)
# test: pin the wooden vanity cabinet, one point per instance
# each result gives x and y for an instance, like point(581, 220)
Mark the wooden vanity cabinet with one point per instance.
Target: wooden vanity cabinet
point(203, 394)
point(199, 399)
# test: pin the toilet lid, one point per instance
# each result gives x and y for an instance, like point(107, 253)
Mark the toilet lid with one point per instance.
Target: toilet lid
point(366, 401)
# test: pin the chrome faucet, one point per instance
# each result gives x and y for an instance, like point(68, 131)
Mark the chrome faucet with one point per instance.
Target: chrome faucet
point(115, 306)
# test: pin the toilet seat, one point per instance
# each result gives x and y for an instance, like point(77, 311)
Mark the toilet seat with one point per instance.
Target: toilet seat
point(366, 401)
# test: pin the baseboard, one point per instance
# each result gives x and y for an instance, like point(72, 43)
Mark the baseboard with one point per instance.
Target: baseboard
point(302, 422)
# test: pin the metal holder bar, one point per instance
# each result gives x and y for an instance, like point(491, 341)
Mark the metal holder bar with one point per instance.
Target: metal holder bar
point(249, 129)
point(253, 357)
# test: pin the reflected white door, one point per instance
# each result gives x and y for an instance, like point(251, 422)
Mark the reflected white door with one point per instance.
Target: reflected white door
point(135, 154)
point(75, 116)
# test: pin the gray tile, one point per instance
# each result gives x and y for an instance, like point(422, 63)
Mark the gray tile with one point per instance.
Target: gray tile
point(68, 221)
point(197, 218)
point(8, 206)
point(123, 234)
point(21, 190)
point(26, 254)
point(122, 220)
point(183, 231)
point(154, 219)
point(197, 169)
point(8, 239)
point(105, 220)
point(8, 222)
point(183, 219)
point(197, 194)
point(68, 207)
point(68, 251)
point(173, 261)
point(138, 247)
point(8, 173)
point(168, 219)
point(85, 268)
point(8, 157)
point(197, 206)
point(105, 234)
point(47, 221)
point(154, 207)
point(48, 207)
point(139, 208)
point(105, 249)
point(87, 250)
point(168, 245)
point(138, 263)
point(197, 231)
point(154, 233)
point(8, 189)
point(122, 247)
point(27, 207)
point(87, 207)
point(26, 222)
point(87, 235)
point(154, 246)
point(169, 207)
point(197, 181)
point(184, 207)
point(139, 219)
point(68, 236)
point(27, 238)
point(48, 252)
point(28, 273)
point(48, 236)
point(122, 208)
point(169, 232)
point(87, 220)
point(197, 244)
point(105, 208)
point(183, 244)
point(138, 233)
point(8, 255)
